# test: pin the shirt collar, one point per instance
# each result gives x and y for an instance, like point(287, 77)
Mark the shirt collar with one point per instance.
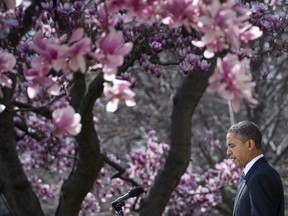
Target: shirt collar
point(250, 164)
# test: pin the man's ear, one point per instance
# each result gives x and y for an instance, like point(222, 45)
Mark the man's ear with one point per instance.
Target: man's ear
point(251, 144)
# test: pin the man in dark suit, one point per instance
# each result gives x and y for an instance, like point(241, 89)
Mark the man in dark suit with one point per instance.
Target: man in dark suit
point(260, 192)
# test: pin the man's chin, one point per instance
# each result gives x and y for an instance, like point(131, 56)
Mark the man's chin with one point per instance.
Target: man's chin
point(236, 163)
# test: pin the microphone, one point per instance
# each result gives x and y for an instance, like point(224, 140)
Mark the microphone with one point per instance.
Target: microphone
point(132, 193)
point(118, 203)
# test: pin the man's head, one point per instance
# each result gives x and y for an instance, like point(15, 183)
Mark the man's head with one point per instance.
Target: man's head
point(243, 142)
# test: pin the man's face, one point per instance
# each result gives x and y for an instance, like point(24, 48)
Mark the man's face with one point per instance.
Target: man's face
point(237, 150)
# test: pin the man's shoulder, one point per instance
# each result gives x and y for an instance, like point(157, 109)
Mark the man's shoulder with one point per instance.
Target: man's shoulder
point(262, 167)
point(264, 170)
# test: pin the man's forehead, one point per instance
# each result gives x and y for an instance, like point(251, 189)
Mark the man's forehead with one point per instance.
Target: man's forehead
point(232, 137)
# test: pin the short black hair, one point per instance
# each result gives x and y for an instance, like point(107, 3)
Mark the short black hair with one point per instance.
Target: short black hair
point(247, 130)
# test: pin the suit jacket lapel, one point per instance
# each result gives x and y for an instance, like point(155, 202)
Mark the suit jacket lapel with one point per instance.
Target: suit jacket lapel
point(240, 189)
point(246, 178)
point(255, 166)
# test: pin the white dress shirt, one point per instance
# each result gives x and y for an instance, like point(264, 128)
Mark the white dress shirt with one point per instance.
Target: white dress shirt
point(250, 164)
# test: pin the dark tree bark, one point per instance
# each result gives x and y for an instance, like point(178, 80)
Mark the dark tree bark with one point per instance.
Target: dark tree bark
point(15, 188)
point(89, 163)
point(184, 104)
point(14, 185)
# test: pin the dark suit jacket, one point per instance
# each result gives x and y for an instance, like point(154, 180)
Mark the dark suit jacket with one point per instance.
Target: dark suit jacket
point(261, 192)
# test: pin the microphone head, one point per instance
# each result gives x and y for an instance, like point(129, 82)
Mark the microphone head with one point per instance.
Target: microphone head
point(135, 192)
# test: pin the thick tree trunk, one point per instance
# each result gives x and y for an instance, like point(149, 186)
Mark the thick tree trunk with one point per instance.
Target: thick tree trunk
point(14, 186)
point(184, 104)
point(15, 189)
point(89, 163)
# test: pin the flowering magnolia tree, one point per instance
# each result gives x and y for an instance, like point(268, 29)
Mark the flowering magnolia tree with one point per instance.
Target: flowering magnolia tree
point(194, 195)
point(49, 49)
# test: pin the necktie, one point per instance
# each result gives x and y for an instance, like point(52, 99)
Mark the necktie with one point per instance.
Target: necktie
point(241, 179)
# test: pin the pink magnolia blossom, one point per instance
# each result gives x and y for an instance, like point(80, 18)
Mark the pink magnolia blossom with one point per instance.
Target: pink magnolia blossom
point(38, 76)
point(231, 81)
point(110, 53)
point(39, 71)
point(143, 11)
point(54, 54)
point(119, 90)
point(7, 63)
point(66, 121)
point(275, 2)
point(79, 47)
point(51, 49)
point(11, 4)
point(2, 107)
point(181, 12)
point(214, 41)
point(66, 57)
point(249, 32)
point(104, 20)
point(224, 25)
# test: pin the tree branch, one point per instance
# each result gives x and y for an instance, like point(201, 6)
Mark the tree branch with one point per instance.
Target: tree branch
point(89, 163)
point(15, 37)
point(184, 104)
point(120, 170)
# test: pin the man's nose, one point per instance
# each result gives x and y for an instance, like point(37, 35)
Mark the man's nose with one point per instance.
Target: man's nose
point(228, 152)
